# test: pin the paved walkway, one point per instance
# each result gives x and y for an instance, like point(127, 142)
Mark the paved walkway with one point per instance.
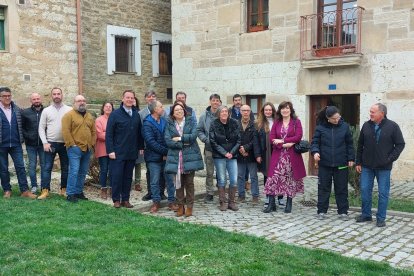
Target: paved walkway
point(393, 244)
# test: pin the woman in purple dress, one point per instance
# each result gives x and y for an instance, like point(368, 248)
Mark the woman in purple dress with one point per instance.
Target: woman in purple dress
point(286, 168)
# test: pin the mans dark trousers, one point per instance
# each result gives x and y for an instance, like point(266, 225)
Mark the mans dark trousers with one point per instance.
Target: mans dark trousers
point(340, 179)
point(121, 179)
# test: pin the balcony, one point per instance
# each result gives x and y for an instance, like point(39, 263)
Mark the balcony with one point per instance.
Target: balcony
point(331, 38)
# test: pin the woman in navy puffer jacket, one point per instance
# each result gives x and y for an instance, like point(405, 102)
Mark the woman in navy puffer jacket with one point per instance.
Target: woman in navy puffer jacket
point(184, 156)
point(332, 147)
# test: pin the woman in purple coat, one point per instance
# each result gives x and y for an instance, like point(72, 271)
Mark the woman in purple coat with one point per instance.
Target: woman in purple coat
point(286, 168)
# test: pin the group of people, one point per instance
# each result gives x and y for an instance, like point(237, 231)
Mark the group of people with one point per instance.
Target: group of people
point(236, 147)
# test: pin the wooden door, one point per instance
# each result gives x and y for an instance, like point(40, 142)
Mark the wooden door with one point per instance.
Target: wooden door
point(316, 104)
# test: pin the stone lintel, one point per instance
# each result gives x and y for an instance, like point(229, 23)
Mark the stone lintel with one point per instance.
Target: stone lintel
point(348, 60)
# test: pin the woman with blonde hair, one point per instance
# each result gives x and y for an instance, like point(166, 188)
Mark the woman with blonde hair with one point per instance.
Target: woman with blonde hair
point(264, 123)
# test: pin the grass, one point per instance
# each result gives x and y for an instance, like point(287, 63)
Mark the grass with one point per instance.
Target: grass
point(395, 204)
point(54, 237)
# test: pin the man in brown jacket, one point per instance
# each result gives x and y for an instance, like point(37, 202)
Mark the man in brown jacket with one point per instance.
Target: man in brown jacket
point(78, 128)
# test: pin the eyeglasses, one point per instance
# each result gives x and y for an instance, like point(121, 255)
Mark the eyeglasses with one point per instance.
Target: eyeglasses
point(6, 96)
point(245, 110)
point(178, 109)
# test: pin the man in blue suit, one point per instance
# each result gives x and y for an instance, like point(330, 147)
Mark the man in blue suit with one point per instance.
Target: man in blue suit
point(123, 141)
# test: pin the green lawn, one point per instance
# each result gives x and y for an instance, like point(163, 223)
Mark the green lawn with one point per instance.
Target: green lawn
point(395, 204)
point(55, 237)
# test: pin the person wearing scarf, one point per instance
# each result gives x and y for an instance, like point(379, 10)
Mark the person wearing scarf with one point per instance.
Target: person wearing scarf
point(184, 156)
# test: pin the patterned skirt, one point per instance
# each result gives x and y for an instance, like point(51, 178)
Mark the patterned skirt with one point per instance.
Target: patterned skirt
point(282, 182)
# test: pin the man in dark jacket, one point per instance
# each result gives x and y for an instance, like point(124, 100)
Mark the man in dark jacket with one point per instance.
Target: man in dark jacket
point(156, 154)
point(235, 113)
point(380, 143)
point(11, 139)
point(249, 153)
point(34, 146)
point(123, 140)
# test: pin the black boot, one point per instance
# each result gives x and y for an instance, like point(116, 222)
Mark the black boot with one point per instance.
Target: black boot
point(288, 208)
point(272, 205)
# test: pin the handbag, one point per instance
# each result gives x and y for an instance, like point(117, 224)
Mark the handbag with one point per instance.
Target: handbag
point(303, 146)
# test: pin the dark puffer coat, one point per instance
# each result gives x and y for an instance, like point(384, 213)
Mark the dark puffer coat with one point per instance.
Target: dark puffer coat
point(222, 144)
point(333, 143)
point(192, 160)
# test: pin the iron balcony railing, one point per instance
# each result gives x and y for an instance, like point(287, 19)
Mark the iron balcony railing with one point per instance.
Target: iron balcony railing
point(329, 34)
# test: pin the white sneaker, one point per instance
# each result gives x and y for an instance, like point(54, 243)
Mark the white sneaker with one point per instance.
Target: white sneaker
point(34, 190)
point(281, 202)
point(322, 216)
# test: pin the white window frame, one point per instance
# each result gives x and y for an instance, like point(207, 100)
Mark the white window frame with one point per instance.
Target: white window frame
point(111, 33)
point(156, 37)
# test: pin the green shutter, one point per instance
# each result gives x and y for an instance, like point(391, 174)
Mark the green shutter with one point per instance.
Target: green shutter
point(2, 42)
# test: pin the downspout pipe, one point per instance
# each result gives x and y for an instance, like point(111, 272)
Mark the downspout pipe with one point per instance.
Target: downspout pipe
point(79, 46)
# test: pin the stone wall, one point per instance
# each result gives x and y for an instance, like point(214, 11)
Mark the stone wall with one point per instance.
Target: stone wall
point(145, 15)
point(40, 42)
point(213, 53)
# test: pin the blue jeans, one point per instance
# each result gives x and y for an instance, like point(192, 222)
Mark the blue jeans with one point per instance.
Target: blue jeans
point(104, 171)
point(58, 148)
point(16, 154)
point(32, 153)
point(78, 168)
point(249, 167)
point(230, 165)
point(156, 174)
point(121, 178)
point(367, 183)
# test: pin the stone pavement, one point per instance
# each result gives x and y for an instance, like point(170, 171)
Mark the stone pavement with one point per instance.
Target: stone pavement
point(393, 244)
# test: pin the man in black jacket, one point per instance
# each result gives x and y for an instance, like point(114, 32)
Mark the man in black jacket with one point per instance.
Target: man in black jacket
point(34, 146)
point(380, 144)
point(249, 153)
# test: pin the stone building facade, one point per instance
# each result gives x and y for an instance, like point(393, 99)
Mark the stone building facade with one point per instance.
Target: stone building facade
point(214, 52)
point(40, 48)
point(149, 18)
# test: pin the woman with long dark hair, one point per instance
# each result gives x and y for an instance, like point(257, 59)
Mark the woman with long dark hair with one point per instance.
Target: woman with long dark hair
point(286, 168)
point(184, 156)
point(332, 147)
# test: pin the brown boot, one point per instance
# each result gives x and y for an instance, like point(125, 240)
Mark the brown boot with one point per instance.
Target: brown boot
point(172, 206)
point(7, 194)
point(155, 207)
point(28, 194)
point(222, 199)
point(104, 193)
point(232, 201)
point(189, 211)
point(247, 186)
point(180, 211)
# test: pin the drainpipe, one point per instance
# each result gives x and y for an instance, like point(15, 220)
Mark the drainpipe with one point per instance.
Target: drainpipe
point(79, 46)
